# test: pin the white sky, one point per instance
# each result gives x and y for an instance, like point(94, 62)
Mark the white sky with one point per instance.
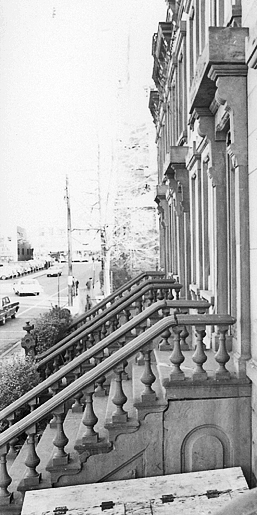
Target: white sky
point(61, 62)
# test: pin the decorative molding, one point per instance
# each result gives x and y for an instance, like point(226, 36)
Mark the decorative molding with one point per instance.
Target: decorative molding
point(234, 70)
point(206, 430)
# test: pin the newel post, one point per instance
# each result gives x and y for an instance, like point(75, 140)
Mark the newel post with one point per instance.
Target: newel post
point(28, 343)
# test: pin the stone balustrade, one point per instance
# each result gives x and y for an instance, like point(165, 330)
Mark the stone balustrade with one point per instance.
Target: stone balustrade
point(84, 386)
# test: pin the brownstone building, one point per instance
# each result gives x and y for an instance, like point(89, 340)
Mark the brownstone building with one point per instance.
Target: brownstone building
point(204, 107)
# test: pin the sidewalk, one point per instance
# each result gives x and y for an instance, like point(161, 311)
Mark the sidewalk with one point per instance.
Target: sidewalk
point(79, 302)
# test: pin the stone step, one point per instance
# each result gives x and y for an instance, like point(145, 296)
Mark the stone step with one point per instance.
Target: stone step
point(180, 494)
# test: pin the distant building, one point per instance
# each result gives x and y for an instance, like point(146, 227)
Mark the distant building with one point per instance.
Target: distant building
point(8, 242)
point(24, 249)
point(53, 241)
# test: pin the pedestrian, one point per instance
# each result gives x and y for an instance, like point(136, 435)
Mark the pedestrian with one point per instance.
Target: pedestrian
point(77, 286)
point(89, 284)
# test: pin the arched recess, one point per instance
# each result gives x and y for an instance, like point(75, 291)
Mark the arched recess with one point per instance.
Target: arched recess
point(206, 447)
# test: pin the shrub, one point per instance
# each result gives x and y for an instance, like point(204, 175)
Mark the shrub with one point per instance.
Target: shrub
point(50, 328)
point(17, 376)
point(120, 277)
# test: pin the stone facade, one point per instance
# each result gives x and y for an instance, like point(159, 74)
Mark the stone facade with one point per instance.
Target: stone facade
point(205, 61)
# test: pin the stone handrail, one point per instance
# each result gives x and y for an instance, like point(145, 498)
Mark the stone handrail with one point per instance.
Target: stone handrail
point(114, 309)
point(99, 347)
point(116, 294)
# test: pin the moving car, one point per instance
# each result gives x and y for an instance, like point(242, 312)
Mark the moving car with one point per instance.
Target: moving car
point(27, 287)
point(7, 309)
point(54, 271)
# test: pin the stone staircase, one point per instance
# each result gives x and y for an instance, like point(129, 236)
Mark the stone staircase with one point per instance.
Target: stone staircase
point(113, 410)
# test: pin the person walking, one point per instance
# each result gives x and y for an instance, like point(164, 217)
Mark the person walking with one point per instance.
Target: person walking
point(76, 286)
point(89, 286)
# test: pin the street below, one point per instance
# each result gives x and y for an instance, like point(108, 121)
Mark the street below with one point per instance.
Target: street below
point(55, 293)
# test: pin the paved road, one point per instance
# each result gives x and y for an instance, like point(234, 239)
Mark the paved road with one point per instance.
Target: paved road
point(55, 293)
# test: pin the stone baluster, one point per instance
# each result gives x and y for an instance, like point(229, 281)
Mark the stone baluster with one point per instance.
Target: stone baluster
point(89, 417)
point(5, 479)
point(222, 356)
point(199, 356)
point(99, 335)
point(32, 477)
point(160, 295)
point(139, 305)
point(116, 322)
point(78, 347)
point(127, 314)
point(104, 331)
point(84, 341)
point(56, 364)
point(53, 390)
point(60, 441)
point(176, 356)
point(119, 398)
point(67, 355)
point(177, 291)
point(99, 390)
point(155, 293)
point(183, 336)
point(151, 296)
point(91, 340)
point(170, 294)
point(112, 325)
point(77, 406)
point(148, 377)
point(12, 451)
point(165, 335)
point(47, 371)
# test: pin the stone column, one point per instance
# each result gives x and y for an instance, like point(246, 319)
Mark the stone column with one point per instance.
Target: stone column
point(162, 203)
point(231, 82)
point(178, 178)
point(217, 174)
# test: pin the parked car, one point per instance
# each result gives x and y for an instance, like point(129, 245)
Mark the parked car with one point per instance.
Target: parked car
point(7, 309)
point(54, 271)
point(27, 286)
point(5, 272)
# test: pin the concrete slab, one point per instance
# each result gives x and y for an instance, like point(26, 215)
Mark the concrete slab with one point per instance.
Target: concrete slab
point(200, 493)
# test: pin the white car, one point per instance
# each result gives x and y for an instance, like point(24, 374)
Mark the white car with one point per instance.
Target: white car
point(5, 272)
point(54, 271)
point(27, 287)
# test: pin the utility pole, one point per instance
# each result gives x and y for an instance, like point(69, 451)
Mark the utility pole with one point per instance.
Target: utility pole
point(102, 238)
point(70, 275)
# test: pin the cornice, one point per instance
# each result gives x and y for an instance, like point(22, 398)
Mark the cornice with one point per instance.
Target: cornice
point(227, 70)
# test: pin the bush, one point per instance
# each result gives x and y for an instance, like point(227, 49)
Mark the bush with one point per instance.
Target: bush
point(120, 277)
point(50, 328)
point(17, 377)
